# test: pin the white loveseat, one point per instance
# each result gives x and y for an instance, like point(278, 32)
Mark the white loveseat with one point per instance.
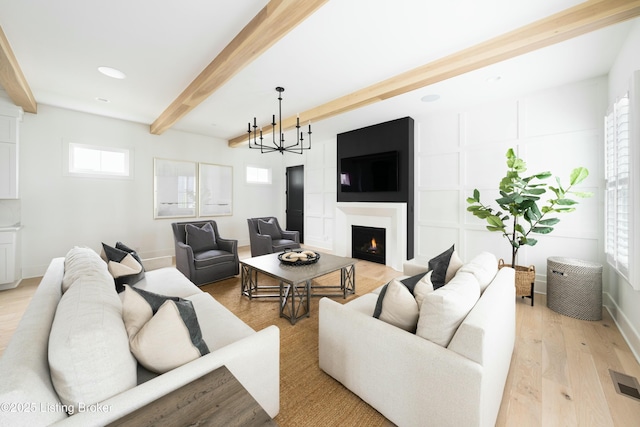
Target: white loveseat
point(413, 381)
point(28, 395)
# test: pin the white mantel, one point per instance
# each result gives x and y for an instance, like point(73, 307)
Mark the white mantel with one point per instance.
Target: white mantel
point(390, 216)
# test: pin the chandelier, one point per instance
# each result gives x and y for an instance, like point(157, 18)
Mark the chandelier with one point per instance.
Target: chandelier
point(279, 144)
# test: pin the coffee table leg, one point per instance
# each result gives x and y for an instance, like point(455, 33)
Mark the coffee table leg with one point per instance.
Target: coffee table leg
point(293, 300)
point(348, 280)
point(249, 281)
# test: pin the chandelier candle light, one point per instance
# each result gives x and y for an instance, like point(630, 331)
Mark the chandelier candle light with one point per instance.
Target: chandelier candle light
point(280, 146)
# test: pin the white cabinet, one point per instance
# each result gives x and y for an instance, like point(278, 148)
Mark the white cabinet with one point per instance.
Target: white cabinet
point(9, 120)
point(9, 259)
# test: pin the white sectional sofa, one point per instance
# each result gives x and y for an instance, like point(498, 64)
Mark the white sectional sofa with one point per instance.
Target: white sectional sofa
point(413, 381)
point(29, 397)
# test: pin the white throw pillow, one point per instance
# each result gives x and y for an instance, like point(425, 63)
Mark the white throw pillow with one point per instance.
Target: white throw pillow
point(163, 331)
point(484, 267)
point(399, 307)
point(454, 265)
point(422, 288)
point(444, 309)
point(164, 342)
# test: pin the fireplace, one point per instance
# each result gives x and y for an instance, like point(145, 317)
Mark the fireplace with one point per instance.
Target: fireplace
point(368, 243)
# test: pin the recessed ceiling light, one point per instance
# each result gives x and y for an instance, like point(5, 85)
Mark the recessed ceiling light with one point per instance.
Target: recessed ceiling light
point(112, 72)
point(430, 98)
point(105, 100)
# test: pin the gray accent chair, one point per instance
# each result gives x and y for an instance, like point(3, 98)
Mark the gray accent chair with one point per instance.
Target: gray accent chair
point(205, 266)
point(262, 244)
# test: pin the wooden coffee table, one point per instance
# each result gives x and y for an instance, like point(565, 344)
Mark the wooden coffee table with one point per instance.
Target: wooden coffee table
point(295, 289)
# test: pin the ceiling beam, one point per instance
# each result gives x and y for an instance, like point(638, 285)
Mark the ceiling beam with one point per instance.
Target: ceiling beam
point(575, 21)
point(12, 79)
point(272, 23)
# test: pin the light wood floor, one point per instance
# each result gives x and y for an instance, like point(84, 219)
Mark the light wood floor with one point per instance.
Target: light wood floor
point(559, 373)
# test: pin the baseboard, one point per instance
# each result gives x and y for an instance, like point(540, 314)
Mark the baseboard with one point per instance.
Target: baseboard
point(12, 285)
point(630, 335)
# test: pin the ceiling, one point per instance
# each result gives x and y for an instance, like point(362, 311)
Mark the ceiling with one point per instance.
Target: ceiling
point(341, 48)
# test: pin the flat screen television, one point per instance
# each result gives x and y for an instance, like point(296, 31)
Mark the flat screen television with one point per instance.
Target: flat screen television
point(370, 173)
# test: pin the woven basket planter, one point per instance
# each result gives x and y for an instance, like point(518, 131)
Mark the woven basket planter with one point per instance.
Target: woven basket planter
point(525, 279)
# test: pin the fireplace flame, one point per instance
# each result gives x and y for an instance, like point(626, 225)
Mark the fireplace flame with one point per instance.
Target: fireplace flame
point(373, 246)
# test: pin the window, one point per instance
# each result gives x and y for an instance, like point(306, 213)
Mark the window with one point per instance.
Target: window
point(91, 160)
point(258, 175)
point(618, 186)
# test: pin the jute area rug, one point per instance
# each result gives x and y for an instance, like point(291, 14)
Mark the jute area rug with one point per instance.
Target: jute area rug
point(308, 396)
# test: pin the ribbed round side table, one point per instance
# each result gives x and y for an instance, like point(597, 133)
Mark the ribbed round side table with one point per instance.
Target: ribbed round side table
point(574, 288)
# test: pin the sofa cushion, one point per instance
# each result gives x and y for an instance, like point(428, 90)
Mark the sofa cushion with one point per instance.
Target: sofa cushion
point(82, 263)
point(397, 306)
point(89, 357)
point(444, 309)
point(168, 281)
point(124, 265)
point(269, 228)
point(163, 331)
point(201, 238)
point(484, 267)
point(220, 327)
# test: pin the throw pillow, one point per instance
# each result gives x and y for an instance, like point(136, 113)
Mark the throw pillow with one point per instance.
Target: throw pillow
point(454, 265)
point(397, 306)
point(269, 228)
point(444, 309)
point(124, 265)
point(411, 282)
point(423, 287)
point(440, 266)
point(163, 331)
point(201, 238)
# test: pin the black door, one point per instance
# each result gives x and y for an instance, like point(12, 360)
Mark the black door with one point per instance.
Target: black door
point(295, 200)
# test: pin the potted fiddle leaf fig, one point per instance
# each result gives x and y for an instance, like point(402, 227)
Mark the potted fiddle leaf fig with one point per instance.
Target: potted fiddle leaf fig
point(522, 211)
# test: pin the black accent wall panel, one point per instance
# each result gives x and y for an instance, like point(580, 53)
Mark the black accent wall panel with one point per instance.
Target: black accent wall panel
point(394, 135)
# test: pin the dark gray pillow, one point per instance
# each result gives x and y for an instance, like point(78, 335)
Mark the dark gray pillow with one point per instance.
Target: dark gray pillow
point(269, 228)
point(117, 254)
point(201, 239)
point(439, 265)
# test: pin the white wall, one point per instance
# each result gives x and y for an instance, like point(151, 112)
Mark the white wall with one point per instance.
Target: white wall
point(553, 130)
point(59, 212)
point(457, 151)
point(621, 299)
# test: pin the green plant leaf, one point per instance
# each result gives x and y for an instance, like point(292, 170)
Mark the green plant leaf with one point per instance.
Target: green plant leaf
point(476, 195)
point(582, 194)
point(542, 230)
point(542, 175)
point(495, 221)
point(566, 202)
point(471, 200)
point(549, 221)
point(578, 175)
point(492, 228)
point(536, 191)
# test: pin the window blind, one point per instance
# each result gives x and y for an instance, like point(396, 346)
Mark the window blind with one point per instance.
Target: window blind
point(617, 197)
